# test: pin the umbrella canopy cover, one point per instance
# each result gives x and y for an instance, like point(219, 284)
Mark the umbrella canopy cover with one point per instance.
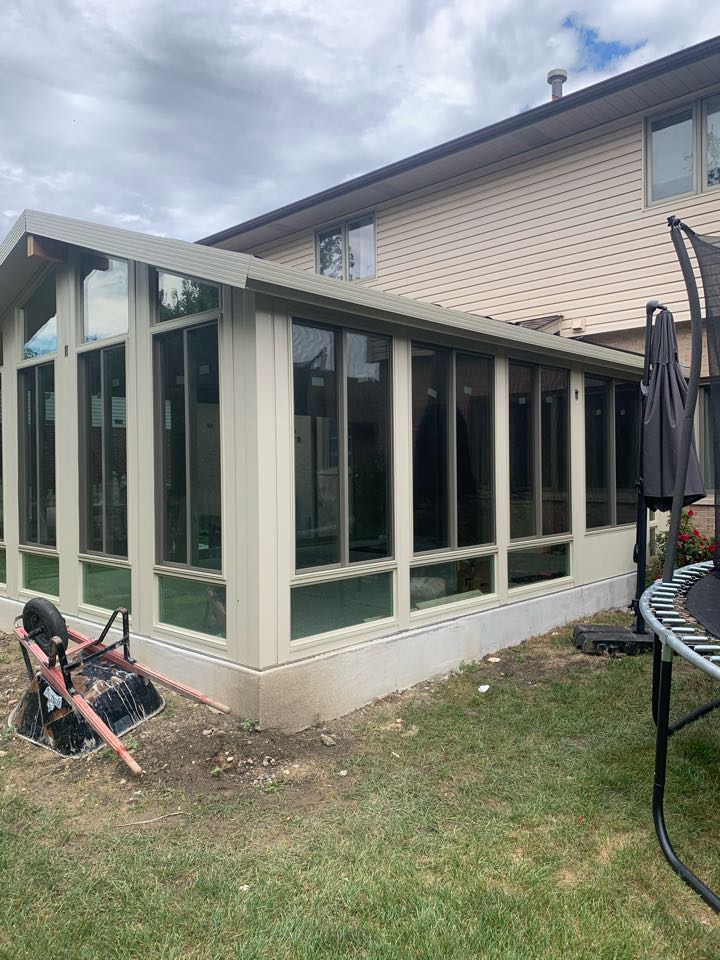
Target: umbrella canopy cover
point(663, 421)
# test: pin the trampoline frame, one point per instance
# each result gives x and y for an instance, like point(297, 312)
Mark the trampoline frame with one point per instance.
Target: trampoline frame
point(675, 636)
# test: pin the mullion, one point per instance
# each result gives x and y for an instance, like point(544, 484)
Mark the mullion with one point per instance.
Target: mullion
point(343, 452)
point(612, 453)
point(104, 443)
point(39, 532)
point(537, 449)
point(452, 451)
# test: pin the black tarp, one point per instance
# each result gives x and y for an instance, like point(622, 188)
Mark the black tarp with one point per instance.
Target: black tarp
point(663, 420)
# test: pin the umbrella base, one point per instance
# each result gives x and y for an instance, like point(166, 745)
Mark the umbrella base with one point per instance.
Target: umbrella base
point(602, 638)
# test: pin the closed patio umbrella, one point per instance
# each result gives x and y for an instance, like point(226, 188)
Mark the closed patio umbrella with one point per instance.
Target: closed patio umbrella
point(664, 413)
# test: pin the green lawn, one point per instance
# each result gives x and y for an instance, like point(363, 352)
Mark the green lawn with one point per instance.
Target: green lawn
point(510, 824)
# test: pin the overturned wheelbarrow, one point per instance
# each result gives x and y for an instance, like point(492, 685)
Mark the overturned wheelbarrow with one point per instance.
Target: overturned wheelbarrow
point(91, 696)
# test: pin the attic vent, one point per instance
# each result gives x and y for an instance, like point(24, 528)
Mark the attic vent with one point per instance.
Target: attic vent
point(556, 78)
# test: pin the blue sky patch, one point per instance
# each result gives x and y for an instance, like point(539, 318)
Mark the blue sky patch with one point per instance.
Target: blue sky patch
point(597, 53)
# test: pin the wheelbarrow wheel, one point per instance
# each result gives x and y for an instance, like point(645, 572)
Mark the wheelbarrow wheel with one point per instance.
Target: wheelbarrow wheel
point(41, 615)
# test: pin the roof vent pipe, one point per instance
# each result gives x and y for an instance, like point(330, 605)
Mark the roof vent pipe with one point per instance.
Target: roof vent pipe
point(556, 78)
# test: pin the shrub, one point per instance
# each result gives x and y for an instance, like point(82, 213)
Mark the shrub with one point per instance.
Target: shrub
point(693, 545)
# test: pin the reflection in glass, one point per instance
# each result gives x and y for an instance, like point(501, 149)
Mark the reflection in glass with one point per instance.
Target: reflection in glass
point(105, 301)
point(41, 574)
point(671, 145)
point(330, 253)
point(40, 320)
point(192, 605)
point(430, 385)
point(104, 447)
point(437, 584)
point(361, 248)
point(189, 422)
point(474, 449)
point(183, 296)
point(522, 457)
point(597, 452)
point(203, 427)
point(317, 479)
point(627, 450)
point(554, 426)
point(708, 440)
point(321, 607)
point(368, 437)
point(712, 141)
point(536, 564)
point(105, 586)
point(37, 452)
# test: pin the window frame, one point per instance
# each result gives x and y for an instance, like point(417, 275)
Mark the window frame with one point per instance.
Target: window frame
point(82, 356)
point(344, 563)
point(344, 226)
point(167, 328)
point(452, 549)
point(21, 316)
point(25, 544)
point(159, 325)
point(537, 445)
point(610, 449)
point(698, 106)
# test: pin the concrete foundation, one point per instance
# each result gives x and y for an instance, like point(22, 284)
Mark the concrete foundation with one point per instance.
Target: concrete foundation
point(296, 695)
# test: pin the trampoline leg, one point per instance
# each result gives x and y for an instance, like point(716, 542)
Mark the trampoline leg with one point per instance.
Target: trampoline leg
point(661, 743)
point(657, 651)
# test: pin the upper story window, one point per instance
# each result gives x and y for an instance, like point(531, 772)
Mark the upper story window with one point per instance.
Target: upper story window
point(347, 250)
point(683, 150)
point(40, 320)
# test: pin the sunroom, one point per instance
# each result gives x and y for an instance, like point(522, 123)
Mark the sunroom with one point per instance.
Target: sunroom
point(308, 493)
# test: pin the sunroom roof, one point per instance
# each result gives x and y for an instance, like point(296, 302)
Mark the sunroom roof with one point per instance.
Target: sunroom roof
point(264, 276)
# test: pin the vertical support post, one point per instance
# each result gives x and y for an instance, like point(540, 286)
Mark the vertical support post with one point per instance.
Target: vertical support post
point(691, 401)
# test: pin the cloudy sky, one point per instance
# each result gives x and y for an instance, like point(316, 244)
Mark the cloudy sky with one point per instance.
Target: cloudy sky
point(182, 117)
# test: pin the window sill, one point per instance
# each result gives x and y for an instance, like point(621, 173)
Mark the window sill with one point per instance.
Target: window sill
point(454, 608)
point(443, 555)
point(345, 637)
point(324, 574)
point(611, 528)
point(527, 591)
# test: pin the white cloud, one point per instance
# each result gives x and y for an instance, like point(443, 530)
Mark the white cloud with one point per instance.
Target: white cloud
point(181, 118)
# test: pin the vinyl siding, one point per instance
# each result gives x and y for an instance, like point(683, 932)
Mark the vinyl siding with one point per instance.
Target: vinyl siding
point(558, 230)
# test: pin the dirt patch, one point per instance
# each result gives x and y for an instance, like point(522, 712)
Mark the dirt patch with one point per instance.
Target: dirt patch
point(189, 751)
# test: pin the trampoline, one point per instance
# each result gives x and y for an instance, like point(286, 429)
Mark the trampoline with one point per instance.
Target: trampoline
point(683, 609)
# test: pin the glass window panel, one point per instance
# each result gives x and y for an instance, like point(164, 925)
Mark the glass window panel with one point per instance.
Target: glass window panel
point(192, 605)
point(204, 446)
point(627, 450)
point(474, 449)
point(317, 478)
point(3, 565)
point(183, 296)
point(27, 413)
point(712, 141)
point(367, 371)
point(597, 452)
point(537, 564)
point(554, 429)
point(105, 586)
point(41, 574)
point(172, 427)
point(671, 148)
point(105, 301)
point(523, 507)
point(430, 389)
point(330, 253)
point(321, 607)
point(40, 320)
point(361, 248)
point(92, 450)
point(437, 584)
point(115, 413)
point(46, 454)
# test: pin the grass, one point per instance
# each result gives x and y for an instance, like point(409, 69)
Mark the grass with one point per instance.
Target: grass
point(510, 824)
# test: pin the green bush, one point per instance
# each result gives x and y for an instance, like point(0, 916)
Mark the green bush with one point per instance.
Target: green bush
point(693, 545)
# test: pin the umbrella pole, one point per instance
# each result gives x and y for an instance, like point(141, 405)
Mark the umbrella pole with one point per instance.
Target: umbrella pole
point(693, 386)
point(642, 518)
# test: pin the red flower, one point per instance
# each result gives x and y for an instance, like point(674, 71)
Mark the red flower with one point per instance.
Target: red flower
point(696, 533)
point(711, 548)
point(684, 537)
point(691, 513)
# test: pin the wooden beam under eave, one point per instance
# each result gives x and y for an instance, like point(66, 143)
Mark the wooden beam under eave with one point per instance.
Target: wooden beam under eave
point(41, 248)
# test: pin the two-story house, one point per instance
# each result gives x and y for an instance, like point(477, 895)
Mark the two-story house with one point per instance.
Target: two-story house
point(311, 492)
